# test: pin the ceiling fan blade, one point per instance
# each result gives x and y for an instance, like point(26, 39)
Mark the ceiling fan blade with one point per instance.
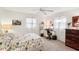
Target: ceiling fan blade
point(46, 10)
point(49, 10)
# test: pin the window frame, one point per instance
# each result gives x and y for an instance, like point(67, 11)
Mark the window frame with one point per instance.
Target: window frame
point(32, 23)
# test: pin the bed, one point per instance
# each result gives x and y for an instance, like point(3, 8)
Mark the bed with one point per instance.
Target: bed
point(27, 42)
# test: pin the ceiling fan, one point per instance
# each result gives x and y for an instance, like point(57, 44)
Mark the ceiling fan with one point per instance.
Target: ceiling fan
point(44, 11)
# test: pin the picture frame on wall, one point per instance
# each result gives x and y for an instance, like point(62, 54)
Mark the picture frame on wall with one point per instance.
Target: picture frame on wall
point(75, 21)
point(16, 22)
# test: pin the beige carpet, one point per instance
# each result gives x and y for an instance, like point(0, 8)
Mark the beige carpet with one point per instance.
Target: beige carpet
point(55, 45)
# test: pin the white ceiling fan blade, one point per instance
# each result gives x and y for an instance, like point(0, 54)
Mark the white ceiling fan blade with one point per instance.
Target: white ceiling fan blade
point(46, 10)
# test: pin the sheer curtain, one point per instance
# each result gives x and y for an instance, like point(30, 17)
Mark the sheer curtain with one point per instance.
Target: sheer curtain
point(31, 25)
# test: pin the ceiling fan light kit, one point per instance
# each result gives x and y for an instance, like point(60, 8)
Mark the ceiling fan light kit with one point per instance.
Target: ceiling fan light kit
point(44, 11)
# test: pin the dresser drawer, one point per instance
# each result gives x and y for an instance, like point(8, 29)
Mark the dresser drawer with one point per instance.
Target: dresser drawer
point(72, 45)
point(69, 37)
point(72, 38)
point(68, 31)
point(75, 40)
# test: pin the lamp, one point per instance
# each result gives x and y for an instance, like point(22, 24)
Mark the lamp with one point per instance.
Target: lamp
point(77, 23)
point(5, 27)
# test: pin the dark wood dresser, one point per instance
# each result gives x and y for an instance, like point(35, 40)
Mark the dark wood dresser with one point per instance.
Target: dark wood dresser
point(72, 38)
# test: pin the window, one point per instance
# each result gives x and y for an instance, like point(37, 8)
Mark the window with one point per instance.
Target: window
point(31, 22)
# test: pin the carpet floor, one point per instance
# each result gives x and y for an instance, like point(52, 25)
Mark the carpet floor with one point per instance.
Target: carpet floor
point(55, 45)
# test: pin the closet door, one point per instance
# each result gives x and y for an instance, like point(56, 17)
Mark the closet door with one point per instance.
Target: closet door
point(60, 26)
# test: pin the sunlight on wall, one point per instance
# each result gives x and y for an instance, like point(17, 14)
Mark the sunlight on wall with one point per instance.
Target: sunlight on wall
point(47, 23)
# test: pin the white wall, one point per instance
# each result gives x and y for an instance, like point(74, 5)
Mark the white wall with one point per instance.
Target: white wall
point(7, 16)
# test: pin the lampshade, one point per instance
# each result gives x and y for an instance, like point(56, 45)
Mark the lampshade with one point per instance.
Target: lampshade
point(78, 21)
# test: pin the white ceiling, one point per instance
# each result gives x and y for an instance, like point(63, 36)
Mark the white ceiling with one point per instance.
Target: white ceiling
point(35, 10)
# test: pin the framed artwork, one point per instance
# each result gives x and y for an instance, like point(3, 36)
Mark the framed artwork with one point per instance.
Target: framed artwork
point(16, 22)
point(75, 21)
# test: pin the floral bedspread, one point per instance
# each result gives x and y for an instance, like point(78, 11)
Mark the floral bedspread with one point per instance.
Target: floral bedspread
point(9, 42)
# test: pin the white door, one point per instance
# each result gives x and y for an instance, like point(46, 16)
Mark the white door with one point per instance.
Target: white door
point(60, 26)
